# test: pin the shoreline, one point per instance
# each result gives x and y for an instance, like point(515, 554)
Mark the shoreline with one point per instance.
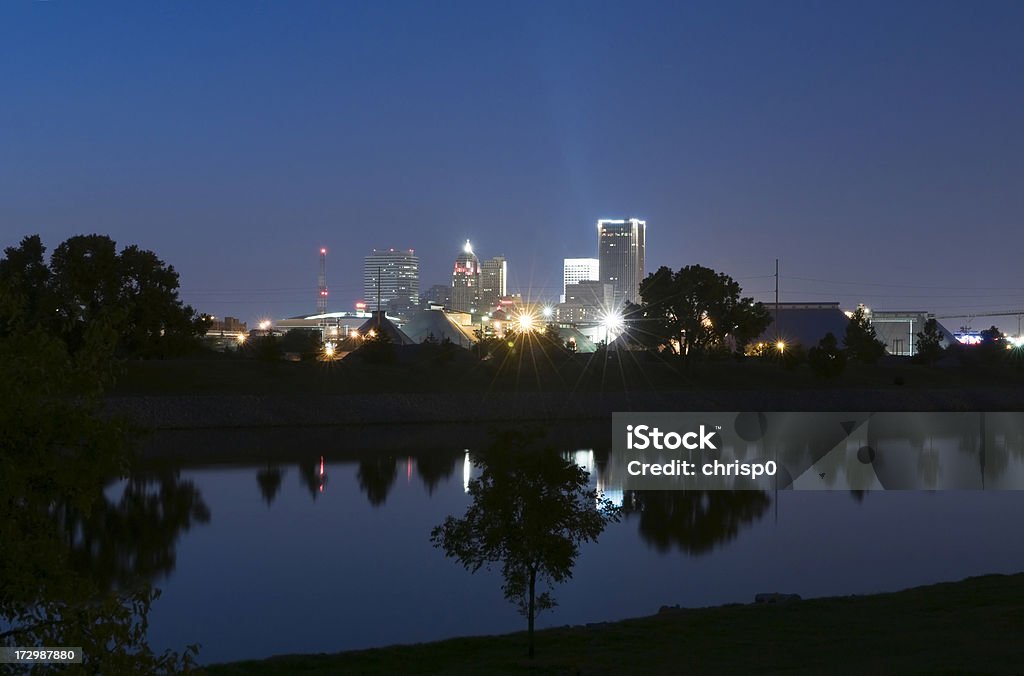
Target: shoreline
point(219, 411)
point(972, 625)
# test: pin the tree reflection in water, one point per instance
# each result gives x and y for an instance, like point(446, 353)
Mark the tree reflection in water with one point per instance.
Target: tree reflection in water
point(693, 521)
point(376, 475)
point(120, 544)
point(269, 480)
point(434, 468)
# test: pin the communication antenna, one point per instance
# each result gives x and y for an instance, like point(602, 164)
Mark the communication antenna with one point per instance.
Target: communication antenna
point(321, 298)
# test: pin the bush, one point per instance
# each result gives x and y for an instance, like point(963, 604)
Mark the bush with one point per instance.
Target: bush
point(827, 360)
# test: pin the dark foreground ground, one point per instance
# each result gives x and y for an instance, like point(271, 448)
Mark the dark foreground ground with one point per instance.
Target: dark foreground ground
point(973, 626)
point(224, 392)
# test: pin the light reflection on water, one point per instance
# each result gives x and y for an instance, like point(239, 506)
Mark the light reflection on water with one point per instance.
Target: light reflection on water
point(299, 557)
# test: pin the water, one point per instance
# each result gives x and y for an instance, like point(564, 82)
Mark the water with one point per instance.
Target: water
point(342, 560)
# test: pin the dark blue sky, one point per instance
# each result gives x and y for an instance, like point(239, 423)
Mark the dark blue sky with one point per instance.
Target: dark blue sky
point(876, 149)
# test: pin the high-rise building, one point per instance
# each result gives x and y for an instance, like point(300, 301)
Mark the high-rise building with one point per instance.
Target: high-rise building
point(586, 302)
point(620, 247)
point(466, 281)
point(493, 282)
point(438, 294)
point(575, 270)
point(398, 274)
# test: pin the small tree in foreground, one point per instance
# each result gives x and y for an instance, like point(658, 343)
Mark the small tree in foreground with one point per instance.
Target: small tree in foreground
point(531, 511)
point(929, 343)
point(861, 341)
point(827, 360)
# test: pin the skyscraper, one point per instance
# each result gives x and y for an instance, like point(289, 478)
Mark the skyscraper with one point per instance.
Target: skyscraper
point(575, 270)
point(493, 282)
point(466, 281)
point(586, 302)
point(620, 247)
point(398, 271)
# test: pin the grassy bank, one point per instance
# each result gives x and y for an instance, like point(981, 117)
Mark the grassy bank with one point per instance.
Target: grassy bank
point(628, 372)
point(973, 626)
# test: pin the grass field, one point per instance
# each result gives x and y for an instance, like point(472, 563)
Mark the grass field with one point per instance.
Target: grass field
point(973, 626)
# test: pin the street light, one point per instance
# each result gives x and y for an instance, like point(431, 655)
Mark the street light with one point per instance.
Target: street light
point(612, 323)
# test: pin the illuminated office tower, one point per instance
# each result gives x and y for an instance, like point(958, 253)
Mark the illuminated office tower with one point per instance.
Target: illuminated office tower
point(620, 247)
point(493, 282)
point(398, 271)
point(576, 270)
point(466, 281)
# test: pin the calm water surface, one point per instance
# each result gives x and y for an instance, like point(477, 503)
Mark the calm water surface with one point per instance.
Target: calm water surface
point(260, 552)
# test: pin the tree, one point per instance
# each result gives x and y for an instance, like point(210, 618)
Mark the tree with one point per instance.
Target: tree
point(827, 360)
point(992, 347)
point(376, 348)
point(305, 343)
point(88, 281)
point(861, 341)
point(57, 453)
point(696, 309)
point(531, 510)
point(929, 343)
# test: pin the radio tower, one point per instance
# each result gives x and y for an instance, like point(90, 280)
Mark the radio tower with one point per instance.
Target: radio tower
point(321, 299)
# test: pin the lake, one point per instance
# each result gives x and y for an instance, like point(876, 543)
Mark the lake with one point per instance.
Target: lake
point(260, 549)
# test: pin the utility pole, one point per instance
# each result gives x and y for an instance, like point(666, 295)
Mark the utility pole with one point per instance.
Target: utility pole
point(777, 333)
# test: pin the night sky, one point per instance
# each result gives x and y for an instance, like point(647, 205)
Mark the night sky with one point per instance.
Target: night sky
point(877, 149)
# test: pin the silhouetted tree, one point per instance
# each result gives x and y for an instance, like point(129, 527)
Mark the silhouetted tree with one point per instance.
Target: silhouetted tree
point(531, 510)
point(57, 528)
point(861, 341)
point(929, 343)
point(87, 281)
point(264, 348)
point(827, 360)
point(377, 349)
point(696, 309)
point(992, 348)
point(792, 356)
point(306, 344)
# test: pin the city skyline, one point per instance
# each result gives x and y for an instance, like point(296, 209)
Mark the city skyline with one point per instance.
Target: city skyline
point(872, 149)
